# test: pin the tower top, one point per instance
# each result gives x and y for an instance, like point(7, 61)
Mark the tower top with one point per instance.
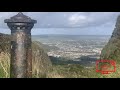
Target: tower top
point(20, 18)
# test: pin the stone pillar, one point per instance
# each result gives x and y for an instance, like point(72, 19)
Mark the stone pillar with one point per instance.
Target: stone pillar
point(21, 52)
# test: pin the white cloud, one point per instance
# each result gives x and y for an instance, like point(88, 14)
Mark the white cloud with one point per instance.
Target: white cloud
point(75, 18)
point(90, 19)
point(72, 19)
point(65, 19)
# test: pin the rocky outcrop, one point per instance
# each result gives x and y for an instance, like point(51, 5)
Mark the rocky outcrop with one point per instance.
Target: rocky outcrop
point(112, 50)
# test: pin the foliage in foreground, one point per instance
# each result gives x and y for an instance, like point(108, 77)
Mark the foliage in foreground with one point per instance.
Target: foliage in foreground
point(76, 71)
point(59, 71)
point(66, 69)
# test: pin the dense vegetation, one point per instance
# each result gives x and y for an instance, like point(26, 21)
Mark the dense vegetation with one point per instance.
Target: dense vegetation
point(64, 69)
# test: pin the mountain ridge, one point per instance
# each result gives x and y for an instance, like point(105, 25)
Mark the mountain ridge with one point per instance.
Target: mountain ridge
point(111, 51)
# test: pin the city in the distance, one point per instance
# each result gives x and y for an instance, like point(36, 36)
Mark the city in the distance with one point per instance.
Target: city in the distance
point(64, 44)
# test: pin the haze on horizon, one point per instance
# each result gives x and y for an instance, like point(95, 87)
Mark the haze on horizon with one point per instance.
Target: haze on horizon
point(67, 23)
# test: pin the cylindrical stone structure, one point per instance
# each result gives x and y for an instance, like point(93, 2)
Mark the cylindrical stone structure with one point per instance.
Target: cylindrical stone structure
point(21, 51)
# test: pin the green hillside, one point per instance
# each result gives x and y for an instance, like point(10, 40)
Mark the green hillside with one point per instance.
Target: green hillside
point(41, 62)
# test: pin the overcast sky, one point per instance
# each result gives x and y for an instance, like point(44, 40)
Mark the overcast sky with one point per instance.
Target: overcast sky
point(75, 23)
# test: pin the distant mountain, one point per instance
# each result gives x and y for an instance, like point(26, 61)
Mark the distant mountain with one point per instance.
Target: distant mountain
point(41, 62)
point(47, 48)
point(112, 50)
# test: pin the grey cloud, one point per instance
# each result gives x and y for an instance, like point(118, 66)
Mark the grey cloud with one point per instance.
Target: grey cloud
point(96, 19)
point(80, 19)
point(65, 19)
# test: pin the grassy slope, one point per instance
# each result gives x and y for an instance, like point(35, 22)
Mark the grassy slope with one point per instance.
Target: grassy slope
point(41, 62)
point(112, 52)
